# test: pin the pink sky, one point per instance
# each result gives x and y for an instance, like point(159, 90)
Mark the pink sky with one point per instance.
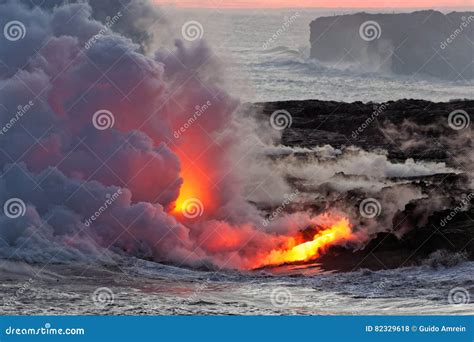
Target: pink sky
point(319, 3)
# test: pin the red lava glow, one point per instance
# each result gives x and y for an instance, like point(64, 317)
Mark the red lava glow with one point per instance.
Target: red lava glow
point(196, 197)
point(338, 231)
point(196, 187)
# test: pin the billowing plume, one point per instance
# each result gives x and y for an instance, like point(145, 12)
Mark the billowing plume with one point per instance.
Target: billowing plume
point(98, 115)
point(105, 138)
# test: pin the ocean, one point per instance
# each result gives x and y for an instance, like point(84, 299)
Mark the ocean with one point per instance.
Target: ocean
point(257, 68)
point(266, 56)
point(138, 287)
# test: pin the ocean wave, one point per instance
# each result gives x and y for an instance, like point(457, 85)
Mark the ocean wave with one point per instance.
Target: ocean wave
point(299, 60)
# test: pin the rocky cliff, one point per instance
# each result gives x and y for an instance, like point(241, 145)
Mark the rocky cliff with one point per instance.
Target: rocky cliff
point(423, 42)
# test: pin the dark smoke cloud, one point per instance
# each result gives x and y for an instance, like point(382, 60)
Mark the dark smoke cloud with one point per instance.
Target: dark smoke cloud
point(61, 166)
point(69, 66)
point(55, 213)
point(140, 23)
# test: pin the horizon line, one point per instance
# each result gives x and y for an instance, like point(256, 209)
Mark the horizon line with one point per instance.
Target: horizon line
point(469, 8)
point(192, 4)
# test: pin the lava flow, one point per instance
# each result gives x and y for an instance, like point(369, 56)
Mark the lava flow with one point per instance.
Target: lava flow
point(337, 232)
point(194, 195)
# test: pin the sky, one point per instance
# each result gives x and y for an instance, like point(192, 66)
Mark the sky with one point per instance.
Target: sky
point(318, 3)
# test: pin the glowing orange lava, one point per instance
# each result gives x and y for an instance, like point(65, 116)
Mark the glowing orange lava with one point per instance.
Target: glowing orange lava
point(338, 232)
point(195, 189)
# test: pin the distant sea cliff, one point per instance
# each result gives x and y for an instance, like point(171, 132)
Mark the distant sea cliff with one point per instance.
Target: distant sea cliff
point(419, 43)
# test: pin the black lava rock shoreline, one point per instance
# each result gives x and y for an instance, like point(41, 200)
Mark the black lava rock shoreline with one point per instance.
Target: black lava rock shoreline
point(415, 129)
point(360, 124)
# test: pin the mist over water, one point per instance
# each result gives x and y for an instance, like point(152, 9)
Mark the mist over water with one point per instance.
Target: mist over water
point(265, 68)
point(246, 61)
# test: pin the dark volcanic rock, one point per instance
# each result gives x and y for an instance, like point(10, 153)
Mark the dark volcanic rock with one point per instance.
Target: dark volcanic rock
point(387, 251)
point(413, 248)
point(423, 42)
point(367, 125)
point(405, 129)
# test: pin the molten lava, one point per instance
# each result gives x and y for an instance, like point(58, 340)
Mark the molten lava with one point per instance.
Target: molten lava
point(339, 231)
point(195, 188)
point(191, 188)
point(198, 196)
